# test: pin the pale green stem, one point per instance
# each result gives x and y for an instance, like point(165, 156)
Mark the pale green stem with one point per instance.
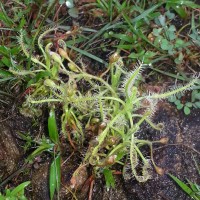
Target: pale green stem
point(46, 101)
point(137, 149)
point(93, 98)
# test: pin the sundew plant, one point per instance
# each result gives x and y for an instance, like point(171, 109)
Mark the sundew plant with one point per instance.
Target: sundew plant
point(113, 105)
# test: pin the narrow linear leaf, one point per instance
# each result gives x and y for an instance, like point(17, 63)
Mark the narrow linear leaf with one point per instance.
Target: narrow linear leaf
point(88, 55)
point(181, 184)
point(40, 149)
point(55, 176)
point(19, 188)
point(52, 127)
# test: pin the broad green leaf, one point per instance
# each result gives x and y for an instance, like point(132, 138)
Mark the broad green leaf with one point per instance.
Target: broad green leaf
point(162, 20)
point(4, 51)
point(179, 95)
point(73, 12)
point(193, 95)
point(171, 32)
point(165, 44)
point(197, 96)
point(62, 1)
point(6, 61)
point(110, 181)
point(52, 127)
point(125, 46)
point(186, 110)
point(189, 104)
point(172, 98)
point(170, 15)
point(4, 74)
point(197, 104)
point(179, 43)
point(55, 176)
point(177, 102)
point(157, 31)
point(180, 106)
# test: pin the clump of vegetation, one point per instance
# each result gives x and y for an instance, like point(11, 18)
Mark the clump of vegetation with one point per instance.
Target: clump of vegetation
point(16, 193)
point(114, 106)
point(111, 105)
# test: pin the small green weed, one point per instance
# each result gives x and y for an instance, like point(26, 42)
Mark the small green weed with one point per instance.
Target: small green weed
point(111, 107)
point(16, 193)
point(186, 105)
point(167, 38)
point(55, 169)
point(51, 146)
point(193, 190)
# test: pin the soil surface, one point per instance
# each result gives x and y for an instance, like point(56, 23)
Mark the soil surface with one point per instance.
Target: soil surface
point(177, 158)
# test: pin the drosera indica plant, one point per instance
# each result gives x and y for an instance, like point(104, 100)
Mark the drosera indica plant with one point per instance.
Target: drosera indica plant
point(114, 106)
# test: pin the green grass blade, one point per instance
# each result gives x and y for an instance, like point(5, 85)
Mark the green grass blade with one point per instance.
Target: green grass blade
point(146, 13)
point(43, 147)
point(6, 79)
point(5, 74)
point(190, 4)
point(101, 31)
point(6, 94)
point(4, 17)
point(192, 186)
point(138, 32)
point(183, 186)
point(83, 52)
point(55, 176)
point(19, 188)
point(169, 74)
